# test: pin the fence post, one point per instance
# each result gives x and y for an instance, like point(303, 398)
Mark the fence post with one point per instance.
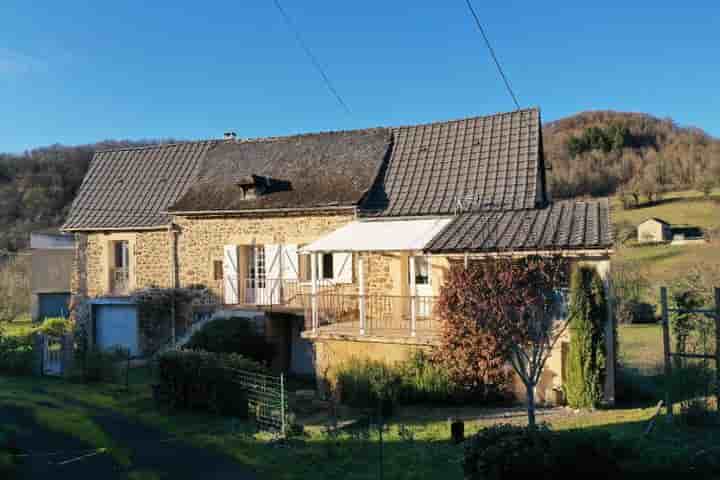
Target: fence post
point(361, 294)
point(666, 350)
point(313, 291)
point(282, 404)
point(717, 348)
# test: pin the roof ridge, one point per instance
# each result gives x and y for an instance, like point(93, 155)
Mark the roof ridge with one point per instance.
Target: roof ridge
point(157, 145)
point(324, 132)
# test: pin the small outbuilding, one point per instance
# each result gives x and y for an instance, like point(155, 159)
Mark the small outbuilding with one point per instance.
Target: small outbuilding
point(654, 230)
point(52, 254)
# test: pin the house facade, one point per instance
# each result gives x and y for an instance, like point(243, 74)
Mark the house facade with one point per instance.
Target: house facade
point(340, 240)
point(654, 230)
point(51, 262)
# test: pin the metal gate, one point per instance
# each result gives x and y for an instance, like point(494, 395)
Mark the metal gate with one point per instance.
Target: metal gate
point(52, 357)
point(267, 399)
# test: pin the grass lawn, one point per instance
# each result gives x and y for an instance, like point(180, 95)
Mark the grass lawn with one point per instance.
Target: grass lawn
point(679, 208)
point(416, 441)
point(641, 347)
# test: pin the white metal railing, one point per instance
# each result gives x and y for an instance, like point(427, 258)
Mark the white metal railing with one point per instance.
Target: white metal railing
point(285, 292)
point(373, 314)
point(120, 281)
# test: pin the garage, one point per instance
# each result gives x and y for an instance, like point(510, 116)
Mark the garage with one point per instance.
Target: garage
point(53, 305)
point(116, 324)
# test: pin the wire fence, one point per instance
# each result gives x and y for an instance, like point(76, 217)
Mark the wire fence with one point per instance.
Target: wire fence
point(267, 398)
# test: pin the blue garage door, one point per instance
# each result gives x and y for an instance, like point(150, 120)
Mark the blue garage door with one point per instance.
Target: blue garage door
point(53, 305)
point(116, 325)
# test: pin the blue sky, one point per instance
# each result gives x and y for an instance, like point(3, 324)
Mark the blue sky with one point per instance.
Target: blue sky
point(80, 71)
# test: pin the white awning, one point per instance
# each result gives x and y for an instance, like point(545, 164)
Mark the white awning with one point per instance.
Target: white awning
point(379, 235)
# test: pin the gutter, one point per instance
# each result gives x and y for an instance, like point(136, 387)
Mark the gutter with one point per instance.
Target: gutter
point(519, 253)
point(259, 210)
point(112, 229)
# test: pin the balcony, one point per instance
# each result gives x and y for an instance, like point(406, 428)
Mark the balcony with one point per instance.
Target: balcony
point(119, 281)
point(371, 316)
point(339, 310)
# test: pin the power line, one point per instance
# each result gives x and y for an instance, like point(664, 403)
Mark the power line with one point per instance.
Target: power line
point(312, 57)
point(492, 54)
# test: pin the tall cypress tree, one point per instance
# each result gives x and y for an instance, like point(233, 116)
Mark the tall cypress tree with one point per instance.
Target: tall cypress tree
point(586, 359)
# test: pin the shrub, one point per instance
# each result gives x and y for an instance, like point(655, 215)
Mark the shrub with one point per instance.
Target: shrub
point(16, 354)
point(200, 380)
point(55, 327)
point(103, 365)
point(7, 465)
point(423, 380)
point(507, 451)
point(633, 386)
point(586, 362)
point(366, 383)
point(233, 335)
point(691, 385)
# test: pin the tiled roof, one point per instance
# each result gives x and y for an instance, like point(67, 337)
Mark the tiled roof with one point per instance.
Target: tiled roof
point(484, 163)
point(317, 170)
point(563, 225)
point(129, 188)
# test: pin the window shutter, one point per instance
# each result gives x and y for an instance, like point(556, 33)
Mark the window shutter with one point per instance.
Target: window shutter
point(290, 263)
point(273, 270)
point(342, 267)
point(230, 275)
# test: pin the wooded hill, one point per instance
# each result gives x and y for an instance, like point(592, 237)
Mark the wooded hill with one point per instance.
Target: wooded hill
point(604, 152)
point(37, 187)
point(592, 153)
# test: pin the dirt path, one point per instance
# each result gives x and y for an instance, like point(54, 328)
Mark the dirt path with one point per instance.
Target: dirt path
point(152, 454)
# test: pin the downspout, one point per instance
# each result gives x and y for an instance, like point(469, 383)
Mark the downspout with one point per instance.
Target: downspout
point(173, 234)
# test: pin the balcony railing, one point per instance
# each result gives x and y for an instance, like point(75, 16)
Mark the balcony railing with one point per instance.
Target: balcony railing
point(288, 293)
point(341, 308)
point(119, 281)
point(382, 315)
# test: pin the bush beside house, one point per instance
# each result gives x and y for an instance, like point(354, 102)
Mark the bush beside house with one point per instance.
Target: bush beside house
point(587, 356)
point(233, 335)
point(365, 383)
point(205, 381)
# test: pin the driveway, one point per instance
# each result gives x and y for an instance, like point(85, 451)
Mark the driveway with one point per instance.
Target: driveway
point(48, 454)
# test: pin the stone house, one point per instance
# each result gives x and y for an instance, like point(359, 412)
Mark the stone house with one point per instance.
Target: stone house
point(337, 241)
point(654, 230)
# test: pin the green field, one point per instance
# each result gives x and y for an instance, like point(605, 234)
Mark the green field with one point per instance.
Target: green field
point(662, 265)
point(681, 208)
point(641, 347)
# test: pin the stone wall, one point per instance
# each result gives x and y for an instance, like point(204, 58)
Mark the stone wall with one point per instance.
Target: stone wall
point(149, 261)
point(202, 240)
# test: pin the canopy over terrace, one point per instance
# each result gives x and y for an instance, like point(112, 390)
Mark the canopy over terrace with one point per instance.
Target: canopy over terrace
point(380, 235)
point(409, 235)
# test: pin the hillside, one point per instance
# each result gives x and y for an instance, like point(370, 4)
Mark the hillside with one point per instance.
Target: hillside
point(591, 153)
point(602, 152)
point(669, 265)
point(37, 187)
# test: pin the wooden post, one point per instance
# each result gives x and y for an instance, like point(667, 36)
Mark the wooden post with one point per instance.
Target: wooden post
point(313, 297)
point(361, 295)
point(413, 298)
point(717, 348)
point(666, 350)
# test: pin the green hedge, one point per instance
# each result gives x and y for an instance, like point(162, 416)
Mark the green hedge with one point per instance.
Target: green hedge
point(16, 354)
point(200, 380)
point(233, 335)
point(507, 451)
